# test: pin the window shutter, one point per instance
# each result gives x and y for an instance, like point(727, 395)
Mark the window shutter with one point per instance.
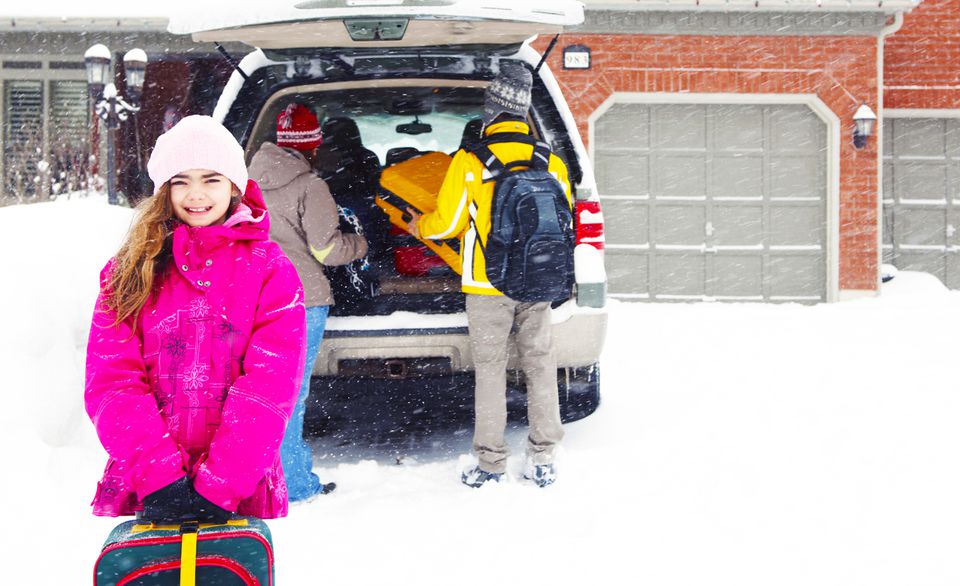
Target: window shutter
point(22, 137)
point(69, 136)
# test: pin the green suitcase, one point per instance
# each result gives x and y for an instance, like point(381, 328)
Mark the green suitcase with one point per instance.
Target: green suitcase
point(140, 553)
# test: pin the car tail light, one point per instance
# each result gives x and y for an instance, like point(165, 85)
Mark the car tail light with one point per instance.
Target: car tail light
point(589, 224)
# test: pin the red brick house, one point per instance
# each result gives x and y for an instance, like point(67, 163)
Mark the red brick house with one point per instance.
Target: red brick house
point(721, 134)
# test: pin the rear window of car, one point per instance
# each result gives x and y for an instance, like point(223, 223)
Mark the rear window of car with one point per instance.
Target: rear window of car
point(424, 118)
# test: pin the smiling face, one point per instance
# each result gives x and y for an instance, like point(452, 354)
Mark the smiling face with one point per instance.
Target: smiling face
point(201, 197)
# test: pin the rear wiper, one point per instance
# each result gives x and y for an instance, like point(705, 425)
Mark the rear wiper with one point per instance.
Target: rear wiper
point(233, 62)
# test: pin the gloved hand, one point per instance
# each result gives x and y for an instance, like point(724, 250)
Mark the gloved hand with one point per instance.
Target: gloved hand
point(171, 504)
point(207, 512)
point(178, 502)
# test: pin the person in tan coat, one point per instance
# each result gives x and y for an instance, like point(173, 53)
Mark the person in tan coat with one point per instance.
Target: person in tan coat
point(306, 226)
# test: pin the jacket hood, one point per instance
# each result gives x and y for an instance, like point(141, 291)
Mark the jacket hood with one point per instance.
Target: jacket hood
point(274, 167)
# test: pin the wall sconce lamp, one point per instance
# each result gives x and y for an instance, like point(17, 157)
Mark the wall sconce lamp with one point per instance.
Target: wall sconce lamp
point(863, 122)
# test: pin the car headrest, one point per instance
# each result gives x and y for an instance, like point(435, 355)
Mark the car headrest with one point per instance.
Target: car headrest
point(341, 133)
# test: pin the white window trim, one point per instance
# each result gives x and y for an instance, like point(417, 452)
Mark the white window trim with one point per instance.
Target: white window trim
point(819, 108)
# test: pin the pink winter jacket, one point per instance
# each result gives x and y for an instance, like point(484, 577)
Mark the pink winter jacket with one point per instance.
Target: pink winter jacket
point(206, 385)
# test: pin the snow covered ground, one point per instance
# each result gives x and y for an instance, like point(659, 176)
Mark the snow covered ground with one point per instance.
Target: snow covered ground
point(736, 445)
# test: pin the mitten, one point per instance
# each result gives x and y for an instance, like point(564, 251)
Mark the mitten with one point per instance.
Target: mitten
point(207, 512)
point(170, 504)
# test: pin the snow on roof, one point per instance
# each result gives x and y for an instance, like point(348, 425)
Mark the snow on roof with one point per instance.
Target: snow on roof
point(184, 15)
point(102, 9)
point(887, 6)
point(555, 12)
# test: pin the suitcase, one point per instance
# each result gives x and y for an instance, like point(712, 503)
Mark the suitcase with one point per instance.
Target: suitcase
point(412, 259)
point(140, 553)
point(415, 183)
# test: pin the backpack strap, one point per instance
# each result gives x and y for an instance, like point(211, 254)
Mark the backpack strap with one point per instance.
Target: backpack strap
point(490, 161)
point(509, 137)
point(539, 160)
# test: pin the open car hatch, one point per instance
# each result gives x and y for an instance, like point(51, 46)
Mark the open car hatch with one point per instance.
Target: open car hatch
point(357, 24)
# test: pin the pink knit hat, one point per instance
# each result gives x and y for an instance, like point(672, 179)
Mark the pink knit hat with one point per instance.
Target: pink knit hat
point(298, 128)
point(197, 142)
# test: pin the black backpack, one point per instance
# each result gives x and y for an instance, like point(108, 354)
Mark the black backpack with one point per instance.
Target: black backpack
point(529, 250)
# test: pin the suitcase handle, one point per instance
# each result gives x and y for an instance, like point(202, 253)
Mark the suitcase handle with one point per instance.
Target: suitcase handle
point(188, 553)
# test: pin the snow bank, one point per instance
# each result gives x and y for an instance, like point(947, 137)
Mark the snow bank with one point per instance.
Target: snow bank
point(53, 253)
point(737, 444)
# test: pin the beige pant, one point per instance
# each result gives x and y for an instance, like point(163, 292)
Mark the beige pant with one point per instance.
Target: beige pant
point(491, 319)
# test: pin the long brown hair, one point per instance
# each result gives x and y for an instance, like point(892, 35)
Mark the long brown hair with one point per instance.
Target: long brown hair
point(143, 257)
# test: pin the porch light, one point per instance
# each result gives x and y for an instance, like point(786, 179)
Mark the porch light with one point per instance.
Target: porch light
point(863, 122)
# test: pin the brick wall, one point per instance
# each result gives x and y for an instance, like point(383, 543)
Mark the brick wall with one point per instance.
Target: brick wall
point(842, 71)
point(922, 60)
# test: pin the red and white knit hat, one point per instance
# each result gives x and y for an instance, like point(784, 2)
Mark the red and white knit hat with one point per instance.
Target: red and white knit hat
point(298, 128)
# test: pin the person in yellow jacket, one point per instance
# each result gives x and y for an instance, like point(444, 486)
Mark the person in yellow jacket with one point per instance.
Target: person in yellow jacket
point(463, 209)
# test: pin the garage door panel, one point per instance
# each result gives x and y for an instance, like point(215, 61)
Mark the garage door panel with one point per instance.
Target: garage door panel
point(623, 173)
point(678, 225)
point(888, 234)
point(680, 127)
point(680, 274)
point(952, 169)
point(740, 225)
point(920, 138)
point(795, 177)
point(920, 227)
point(682, 176)
point(635, 135)
point(628, 272)
point(736, 176)
point(921, 189)
point(924, 261)
point(795, 276)
point(926, 181)
point(738, 128)
point(737, 276)
point(952, 276)
point(795, 225)
point(627, 221)
point(795, 129)
point(726, 183)
point(888, 177)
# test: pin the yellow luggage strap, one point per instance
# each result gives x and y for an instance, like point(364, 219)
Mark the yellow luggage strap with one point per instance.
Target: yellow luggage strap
point(188, 553)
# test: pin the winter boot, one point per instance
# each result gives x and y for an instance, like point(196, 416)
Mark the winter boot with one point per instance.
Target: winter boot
point(541, 474)
point(475, 477)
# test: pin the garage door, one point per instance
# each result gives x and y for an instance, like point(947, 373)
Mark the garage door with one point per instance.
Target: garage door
point(921, 186)
point(713, 202)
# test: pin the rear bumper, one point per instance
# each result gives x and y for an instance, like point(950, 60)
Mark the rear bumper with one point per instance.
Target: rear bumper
point(578, 337)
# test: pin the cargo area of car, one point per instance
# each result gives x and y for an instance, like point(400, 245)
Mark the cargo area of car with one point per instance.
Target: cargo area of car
point(390, 143)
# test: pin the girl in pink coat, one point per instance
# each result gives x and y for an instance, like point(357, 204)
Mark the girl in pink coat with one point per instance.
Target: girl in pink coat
point(197, 343)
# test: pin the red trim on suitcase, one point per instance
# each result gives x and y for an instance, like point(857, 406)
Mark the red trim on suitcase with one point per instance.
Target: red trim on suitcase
point(209, 561)
point(176, 538)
